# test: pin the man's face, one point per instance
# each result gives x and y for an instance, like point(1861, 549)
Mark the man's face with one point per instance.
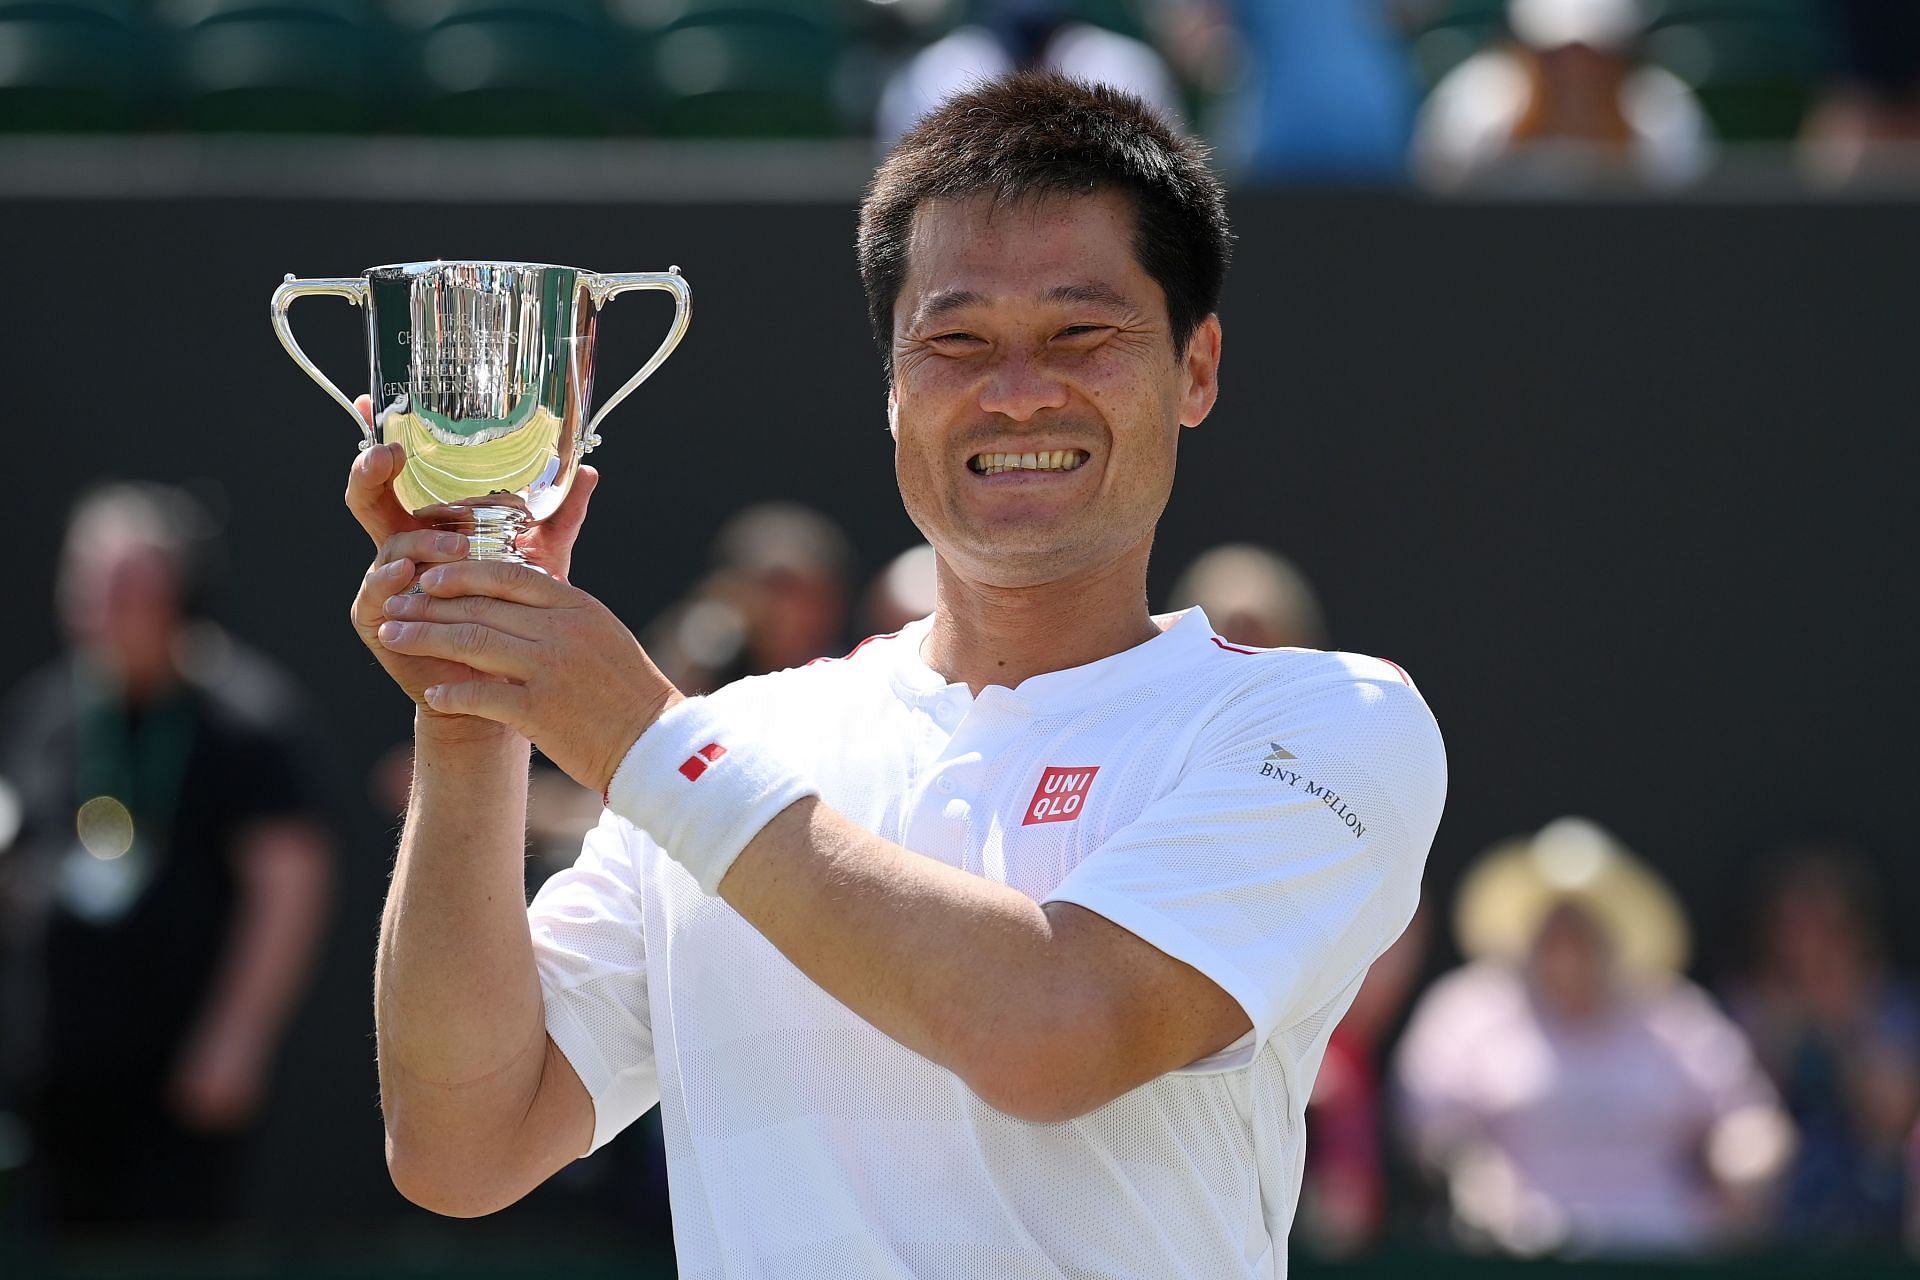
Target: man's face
point(120, 600)
point(1037, 395)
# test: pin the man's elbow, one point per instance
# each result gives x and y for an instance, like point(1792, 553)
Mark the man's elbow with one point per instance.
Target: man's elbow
point(1042, 1081)
point(452, 1188)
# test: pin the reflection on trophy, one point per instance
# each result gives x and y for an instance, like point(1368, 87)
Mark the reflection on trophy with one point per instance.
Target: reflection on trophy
point(484, 371)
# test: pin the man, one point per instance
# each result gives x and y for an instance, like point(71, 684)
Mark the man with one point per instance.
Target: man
point(1007, 945)
point(169, 888)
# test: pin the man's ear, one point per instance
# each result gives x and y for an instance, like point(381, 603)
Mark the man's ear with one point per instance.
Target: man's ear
point(1202, 365)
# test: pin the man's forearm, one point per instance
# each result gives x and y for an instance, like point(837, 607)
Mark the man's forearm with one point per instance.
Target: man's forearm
point(1044, 1012)
point(457, 997)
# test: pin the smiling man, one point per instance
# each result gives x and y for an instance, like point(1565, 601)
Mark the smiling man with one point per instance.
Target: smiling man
point(1006, 946)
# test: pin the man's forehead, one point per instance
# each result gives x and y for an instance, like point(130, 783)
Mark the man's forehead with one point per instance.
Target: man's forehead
point(984, 220)
point(1053, 249)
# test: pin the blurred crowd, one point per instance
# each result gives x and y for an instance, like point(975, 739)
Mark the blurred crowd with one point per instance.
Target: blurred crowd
point(1527, 95)
point(1564, 1088)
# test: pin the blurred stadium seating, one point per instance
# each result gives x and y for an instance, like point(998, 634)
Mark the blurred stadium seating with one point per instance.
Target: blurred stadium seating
point(494, 67)
point(729, 69)
point(74, 64)
point(1753, 63)
point(271, 65)
point(677, 68)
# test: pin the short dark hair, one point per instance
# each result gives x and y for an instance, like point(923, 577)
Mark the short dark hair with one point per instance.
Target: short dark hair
point(1038, 133)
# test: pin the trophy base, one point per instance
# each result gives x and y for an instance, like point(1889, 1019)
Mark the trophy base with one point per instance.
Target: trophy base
point(492, 534)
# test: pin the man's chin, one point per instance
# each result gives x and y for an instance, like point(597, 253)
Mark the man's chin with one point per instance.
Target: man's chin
point(1017, 565)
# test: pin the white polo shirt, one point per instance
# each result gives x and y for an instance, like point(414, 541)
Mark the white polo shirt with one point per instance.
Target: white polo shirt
point(1260, 815)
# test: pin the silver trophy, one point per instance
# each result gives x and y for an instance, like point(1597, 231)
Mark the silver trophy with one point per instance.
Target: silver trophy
point(484, 371)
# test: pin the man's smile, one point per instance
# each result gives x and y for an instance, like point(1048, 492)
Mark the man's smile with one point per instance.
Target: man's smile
point(993, 464)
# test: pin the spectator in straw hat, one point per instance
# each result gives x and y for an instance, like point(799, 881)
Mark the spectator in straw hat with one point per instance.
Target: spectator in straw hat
point(1575, 1093)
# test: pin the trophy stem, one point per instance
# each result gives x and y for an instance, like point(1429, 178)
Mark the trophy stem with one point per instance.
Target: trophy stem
point(492, 533)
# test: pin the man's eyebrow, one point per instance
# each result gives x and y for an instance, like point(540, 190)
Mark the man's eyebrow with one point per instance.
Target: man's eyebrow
point(1091, 292)
point(945, 302)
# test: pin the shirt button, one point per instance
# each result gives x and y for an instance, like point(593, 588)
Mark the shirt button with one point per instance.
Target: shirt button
point(956, 810)
point(945, 784)
point(944, 713)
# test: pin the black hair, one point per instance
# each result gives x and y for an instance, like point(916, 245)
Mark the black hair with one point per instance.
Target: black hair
point(1038, 133)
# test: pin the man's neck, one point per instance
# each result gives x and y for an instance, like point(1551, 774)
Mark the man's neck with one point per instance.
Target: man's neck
point(134, 680)
point(984, 634)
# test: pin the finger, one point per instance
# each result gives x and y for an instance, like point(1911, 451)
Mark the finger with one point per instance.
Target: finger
point(514, 619)
point(550, 543)
point(445, 515)
point(564, 524)
point(370, 494)
point(519, 583)
point(381, 583)
point(424, 547)
point(495, 700)
point(363, 405)
point(478, 646)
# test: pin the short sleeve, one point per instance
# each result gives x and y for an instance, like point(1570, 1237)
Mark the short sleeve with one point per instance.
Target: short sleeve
point(261, 738)
point(589, 945)
point(268, 778)
point(1289, 853)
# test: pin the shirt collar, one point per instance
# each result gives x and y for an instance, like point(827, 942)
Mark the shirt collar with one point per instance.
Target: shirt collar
point(1185, 638)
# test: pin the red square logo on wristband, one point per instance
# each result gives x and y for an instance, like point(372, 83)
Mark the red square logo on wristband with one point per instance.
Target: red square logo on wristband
point(697, 762)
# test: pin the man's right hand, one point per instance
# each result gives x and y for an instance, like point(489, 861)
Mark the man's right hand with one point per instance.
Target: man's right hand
point(408, 543)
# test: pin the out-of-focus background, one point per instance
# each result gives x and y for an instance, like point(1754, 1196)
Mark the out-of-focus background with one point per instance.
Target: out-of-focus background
point(1569, 364)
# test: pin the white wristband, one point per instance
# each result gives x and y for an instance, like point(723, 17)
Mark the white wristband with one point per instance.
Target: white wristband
point(700, 790)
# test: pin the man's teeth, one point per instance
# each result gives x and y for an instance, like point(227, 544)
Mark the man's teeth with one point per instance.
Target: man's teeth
point(992, 464)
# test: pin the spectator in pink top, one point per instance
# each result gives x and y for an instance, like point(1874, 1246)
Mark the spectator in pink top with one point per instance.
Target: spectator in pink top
point(1571, 1090)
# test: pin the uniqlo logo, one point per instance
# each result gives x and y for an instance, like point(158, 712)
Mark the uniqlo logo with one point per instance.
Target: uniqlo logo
point(1061, 795)
point(697, 762)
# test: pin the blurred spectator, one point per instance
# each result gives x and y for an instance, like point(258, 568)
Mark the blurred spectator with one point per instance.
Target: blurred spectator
point(776, 598)
point(1912, 1229)
point(1567, 104)
point(1325, 93)
point(1343, 1194)
point(1574, 1092)
point(903, 592)
point(1868, 119)
point(1012, 34)
point(1841, 1038)
point(1253, 596)
point(167, 889)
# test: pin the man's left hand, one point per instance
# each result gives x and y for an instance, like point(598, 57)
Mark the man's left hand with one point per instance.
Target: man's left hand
point(568, 674)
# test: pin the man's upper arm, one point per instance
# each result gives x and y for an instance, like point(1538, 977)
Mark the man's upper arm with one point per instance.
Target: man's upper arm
point(1162, 1013)
point(560, 1124)
point(589, 928)
point(1287, 857)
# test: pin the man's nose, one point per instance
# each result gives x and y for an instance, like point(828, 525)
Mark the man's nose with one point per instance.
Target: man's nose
point(1018, 386)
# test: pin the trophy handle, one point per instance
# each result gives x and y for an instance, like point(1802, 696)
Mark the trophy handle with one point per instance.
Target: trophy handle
point(603, 287)
point(354, 290)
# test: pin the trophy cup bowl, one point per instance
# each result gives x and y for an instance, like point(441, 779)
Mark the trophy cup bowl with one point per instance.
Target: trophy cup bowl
point(484, 372)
